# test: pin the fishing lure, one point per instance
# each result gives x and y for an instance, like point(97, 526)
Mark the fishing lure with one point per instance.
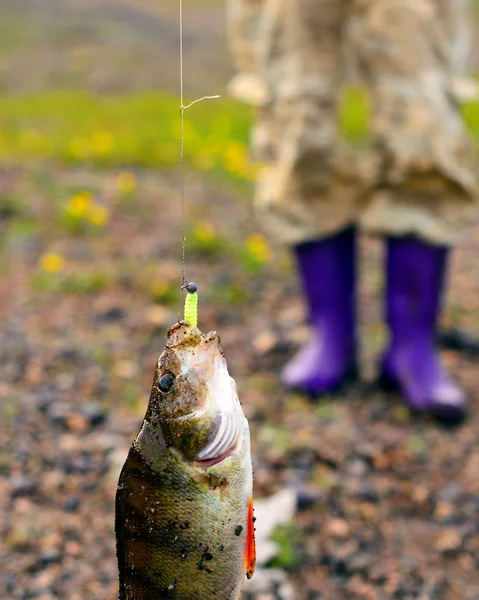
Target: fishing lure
point(191, 303)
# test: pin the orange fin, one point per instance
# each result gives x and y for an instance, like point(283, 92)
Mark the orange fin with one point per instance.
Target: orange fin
point(250, 549)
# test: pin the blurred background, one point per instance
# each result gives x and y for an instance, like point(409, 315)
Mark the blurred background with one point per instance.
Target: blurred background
point(90, 275)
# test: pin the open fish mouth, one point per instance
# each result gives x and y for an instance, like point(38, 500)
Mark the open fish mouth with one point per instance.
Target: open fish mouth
point(225, 439)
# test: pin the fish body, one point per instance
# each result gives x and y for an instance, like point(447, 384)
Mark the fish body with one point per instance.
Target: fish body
point(184, 512)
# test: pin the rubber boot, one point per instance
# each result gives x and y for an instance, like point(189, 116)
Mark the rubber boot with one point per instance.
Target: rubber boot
point(327, 270)
point(415, 280)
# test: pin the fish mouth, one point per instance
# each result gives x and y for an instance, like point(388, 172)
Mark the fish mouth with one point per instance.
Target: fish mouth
point(181, 334)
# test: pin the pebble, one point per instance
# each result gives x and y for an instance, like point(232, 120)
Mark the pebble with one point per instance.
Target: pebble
point(449, 493)
point(367, 493)
point(449, 541)
point(94, 412)
point(338, 528)
point(79, 417)
point(49, 556)
point(114, 313)
point(265, 342)
point(71, 503)
point(362, 562)
point(23, 485)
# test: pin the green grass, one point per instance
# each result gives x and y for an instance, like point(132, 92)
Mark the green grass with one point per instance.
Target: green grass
point(143, 130)
point(288, 537)
point(77, 284)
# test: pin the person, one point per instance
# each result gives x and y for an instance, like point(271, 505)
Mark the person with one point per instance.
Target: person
point(414, 185)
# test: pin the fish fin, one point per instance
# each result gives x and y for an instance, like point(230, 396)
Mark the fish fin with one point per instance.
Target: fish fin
point(250, 548)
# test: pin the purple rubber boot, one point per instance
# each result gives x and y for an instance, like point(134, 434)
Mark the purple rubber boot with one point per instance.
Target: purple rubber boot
point(415, 279)
point(328, 272)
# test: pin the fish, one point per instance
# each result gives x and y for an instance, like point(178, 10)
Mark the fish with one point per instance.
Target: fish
point(184, 521)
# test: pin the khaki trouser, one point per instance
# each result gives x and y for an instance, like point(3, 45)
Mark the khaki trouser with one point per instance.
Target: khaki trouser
point(417, 174)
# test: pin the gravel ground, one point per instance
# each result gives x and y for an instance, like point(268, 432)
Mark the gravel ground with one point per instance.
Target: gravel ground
point(389, 504)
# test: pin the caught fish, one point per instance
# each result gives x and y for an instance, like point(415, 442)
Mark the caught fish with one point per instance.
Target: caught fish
point(184, 510)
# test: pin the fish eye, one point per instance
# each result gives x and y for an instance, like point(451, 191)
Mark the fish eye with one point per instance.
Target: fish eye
point(166, 383)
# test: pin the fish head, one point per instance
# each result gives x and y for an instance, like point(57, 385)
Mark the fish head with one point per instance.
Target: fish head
point(194, 400)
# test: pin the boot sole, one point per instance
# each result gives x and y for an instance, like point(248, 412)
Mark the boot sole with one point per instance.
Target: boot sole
point(350, 378)
point(442, 413)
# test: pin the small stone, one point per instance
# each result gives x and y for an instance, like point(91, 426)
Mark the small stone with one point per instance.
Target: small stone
point(58, 412)
point(357, 468)
point(76, 422)
point(449, 493)
point(367, 493)
point(72, 548)
point(114, 313)
point(49, 557)
point(65, 381)
point(420, 494)
point(23, 485)
point(338, 528)
point(444, 510)
point(307, 498)
point(93, 412)
point(362, 562)
point(71, 504)
point(449, 541)
point(265, 342)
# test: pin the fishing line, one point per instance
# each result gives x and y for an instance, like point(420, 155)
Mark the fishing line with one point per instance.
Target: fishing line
point(191, 304)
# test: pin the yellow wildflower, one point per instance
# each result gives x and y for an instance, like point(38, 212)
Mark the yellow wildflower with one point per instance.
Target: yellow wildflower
point(237, 162)
point(79, 204)
point(99, 215)
point(205, 232)
point(102, 142)
point(235, 155)
point(257, 245)
point(126, 182)
point(52, 263)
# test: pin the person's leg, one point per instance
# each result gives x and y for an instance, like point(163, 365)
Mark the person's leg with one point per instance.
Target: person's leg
point(307, 193)
point(425, 181)
point(426, 187)
point(415, 282)
point(327, 269)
